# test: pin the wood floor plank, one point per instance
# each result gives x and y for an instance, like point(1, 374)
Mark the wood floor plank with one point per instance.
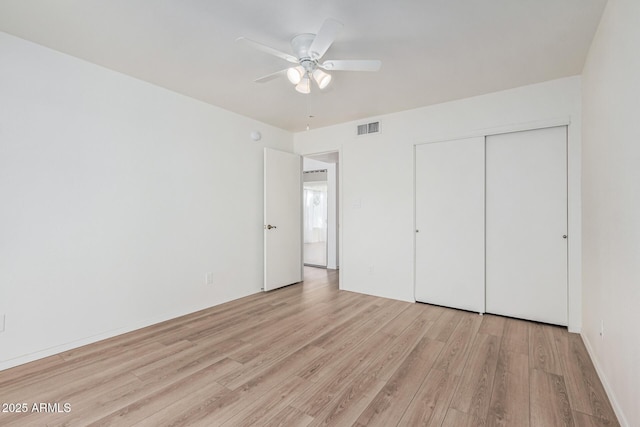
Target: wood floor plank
point(510, 396)
point(389, 360)
point(213, 325)
point(78, 404)
point(349, 333)
point(187, 360)
point(130, 341)
point(136, 405)
point(454, 356)
point(390, 403)
point(292, 320)
point(102, 400)
point(492, 325)
point(335, 377)
point(69, 369)
point(32, 372)
point(431, 401)
point(271, 354)
point(549, 401)
point(356, 345)
point(584, 388)
point(220, 411)
point(407, 313)
point(288, 417)
point(269, 404)
point(339, 317)
point(247, 325)
point(444, 325)
point(585, 420)
point(310, 354)
point(456, 418)
point(260, 351)
point(347, 406)
point(188, 409)
point(65, 385)
point(543, 353)
point(515, 336)
point(473, 394)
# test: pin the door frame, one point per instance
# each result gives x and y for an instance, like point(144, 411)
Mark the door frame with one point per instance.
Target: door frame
point(339, 203)
point(326, 237)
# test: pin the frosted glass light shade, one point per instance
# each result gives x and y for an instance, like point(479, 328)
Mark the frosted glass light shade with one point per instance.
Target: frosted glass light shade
point(322, 79)
point(294, 74)
point(305, 85)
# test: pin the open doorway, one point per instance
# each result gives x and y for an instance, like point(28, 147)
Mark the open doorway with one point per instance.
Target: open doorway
point(320, 210)
point(315, 217)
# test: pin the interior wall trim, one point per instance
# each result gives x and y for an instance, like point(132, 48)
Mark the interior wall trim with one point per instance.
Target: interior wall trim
point(603, 379)
point(497, 130)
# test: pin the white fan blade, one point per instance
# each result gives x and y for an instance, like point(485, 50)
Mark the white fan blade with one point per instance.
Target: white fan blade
point(267, 49)
point(351, 65)
point(324, 38)
point(271, 76)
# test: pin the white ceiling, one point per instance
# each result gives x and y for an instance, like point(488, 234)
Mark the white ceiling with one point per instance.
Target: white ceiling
point(432, 51)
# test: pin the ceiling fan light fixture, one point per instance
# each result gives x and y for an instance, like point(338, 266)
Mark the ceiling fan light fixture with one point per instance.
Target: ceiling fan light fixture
point(305, 85)
point(308, 50)
point(322, 79)
point(294, 74)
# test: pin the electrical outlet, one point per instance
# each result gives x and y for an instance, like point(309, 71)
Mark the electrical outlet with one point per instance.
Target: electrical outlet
point(602, 329)
point(2, 322)
point(209, 278)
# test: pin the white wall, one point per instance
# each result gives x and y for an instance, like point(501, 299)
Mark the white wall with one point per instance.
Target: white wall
point(332, 207)
point(116, 197)
point(377, 224)
point(611, 205)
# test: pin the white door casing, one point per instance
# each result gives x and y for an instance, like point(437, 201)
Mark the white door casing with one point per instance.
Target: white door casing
point(282, 219)
point(449, 239)
point(526, 225)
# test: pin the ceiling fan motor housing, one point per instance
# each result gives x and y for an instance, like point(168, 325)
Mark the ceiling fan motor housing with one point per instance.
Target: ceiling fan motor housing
point(300, 45)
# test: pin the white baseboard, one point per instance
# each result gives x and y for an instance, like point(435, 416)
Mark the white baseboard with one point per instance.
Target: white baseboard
point(79, 343)
point(20, 360)
point(603, 379)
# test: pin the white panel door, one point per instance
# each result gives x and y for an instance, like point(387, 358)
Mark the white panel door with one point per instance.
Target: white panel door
point(282, 219)
point(526, 225)
point(449, 199)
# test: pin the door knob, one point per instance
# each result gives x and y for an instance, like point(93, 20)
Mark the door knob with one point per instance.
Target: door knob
point(564, 236)
point(269, 227)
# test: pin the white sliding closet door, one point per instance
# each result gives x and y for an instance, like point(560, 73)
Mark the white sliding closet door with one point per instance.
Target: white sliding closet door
point(450, 223)
point(526, 225)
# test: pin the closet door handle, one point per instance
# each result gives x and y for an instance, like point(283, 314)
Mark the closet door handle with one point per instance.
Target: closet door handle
point(564, 236)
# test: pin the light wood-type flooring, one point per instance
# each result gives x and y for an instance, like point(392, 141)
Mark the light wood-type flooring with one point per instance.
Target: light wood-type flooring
point(309, 354)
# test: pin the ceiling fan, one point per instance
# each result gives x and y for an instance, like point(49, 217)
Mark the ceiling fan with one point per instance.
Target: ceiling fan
point(308, 49)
